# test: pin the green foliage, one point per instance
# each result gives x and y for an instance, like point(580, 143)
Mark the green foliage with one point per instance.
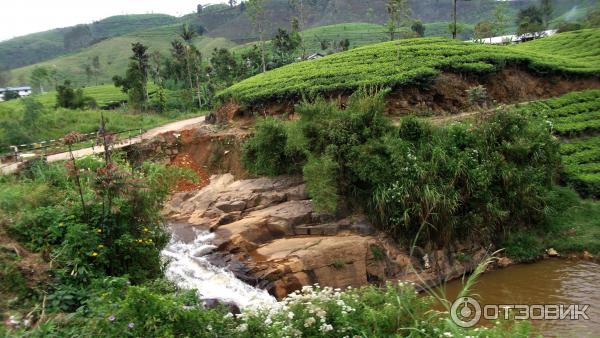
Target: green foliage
point(524, 247)
point(34, 119)
point(575, 117)
point(438, 184)
point(320, 174)
point(67, 97)
point(141, 311)
point(415, 62)
point(120, 233)
point(267, 152)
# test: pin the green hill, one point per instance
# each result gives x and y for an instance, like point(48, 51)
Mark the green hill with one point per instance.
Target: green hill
point(29, 49)
point(413, 61)
point(114, 54)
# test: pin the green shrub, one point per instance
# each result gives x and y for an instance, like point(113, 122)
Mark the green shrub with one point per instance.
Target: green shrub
point(524, 247)
point(436, 183)
point(265, 153)
point(320, 174)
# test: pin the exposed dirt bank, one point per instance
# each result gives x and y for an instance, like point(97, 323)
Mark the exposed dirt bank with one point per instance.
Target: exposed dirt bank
point(447, 94)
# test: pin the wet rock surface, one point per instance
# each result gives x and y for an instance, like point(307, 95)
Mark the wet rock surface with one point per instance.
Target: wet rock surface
point(268, 234)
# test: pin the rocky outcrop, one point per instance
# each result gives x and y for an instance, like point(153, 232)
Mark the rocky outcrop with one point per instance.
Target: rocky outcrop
point(268, 234)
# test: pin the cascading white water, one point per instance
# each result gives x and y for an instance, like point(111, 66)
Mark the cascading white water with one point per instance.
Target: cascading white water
point(190, 269)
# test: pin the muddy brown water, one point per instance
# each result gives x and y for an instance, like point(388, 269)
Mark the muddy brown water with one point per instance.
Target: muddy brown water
point(553, 281)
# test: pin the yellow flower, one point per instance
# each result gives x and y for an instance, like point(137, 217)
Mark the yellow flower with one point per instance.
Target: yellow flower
point(100, 246)
point(61, 225)
point(145, 229)
point(99, 231)
point(139, 241)
point(94, 254)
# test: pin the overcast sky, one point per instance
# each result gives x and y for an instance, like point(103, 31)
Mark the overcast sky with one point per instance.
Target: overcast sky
point(21, 17)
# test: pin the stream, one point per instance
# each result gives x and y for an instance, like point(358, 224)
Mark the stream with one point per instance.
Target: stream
point(189, 268)
point(553, 281)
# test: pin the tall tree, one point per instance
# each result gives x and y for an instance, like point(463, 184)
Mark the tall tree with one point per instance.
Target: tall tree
point(256, 11)
point(135, 82)
point(483, 30)
point(284, 46)
point(39, 77)
point(547, 9)
point(500, 19)
point(530, 21)
point(398, 12)
point(96, 67)
point(418, 27)
point(232, 3)
point(455, 19)
point(193, 61)
point(299, 22)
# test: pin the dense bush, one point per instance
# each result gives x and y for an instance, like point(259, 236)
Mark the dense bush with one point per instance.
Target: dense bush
point(67, 97)
point(117, 231)
point(441, 183)
point(139, 311)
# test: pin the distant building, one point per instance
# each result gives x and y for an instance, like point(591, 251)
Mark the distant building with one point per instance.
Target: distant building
point(22, 91)
point(508, 39)
point(315, 56)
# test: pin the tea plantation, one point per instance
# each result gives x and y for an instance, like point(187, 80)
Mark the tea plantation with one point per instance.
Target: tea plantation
point(417, 61)
point(576, 119)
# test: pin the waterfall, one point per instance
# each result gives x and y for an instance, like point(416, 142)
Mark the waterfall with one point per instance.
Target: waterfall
point(189, 268)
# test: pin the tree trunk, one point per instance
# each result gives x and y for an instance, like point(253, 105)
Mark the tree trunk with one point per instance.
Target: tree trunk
point(454, 17)
point(262, 50)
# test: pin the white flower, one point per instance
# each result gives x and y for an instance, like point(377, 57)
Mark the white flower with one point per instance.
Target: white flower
point(326, 328)
point(242, 328)
point(290, 315)
point(229, 315)
point(448, 334)
point(310, 321)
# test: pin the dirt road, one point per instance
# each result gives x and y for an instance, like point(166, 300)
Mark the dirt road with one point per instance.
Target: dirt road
point(174, 126)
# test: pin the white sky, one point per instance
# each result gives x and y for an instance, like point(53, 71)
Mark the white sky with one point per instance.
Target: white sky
point(22, 17)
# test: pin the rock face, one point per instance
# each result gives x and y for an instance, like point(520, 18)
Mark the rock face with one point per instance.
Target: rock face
point(268, 234)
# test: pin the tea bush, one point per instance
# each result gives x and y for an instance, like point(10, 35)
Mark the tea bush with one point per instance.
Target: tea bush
point(576, 118)
point(417, 62)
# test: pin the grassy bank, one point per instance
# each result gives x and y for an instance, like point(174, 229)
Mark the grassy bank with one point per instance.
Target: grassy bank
point(36, 119)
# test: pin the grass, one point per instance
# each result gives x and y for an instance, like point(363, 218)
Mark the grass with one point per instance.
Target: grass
point(103, 94)
point(114, 55)
point(417, 61)
point(55, 123)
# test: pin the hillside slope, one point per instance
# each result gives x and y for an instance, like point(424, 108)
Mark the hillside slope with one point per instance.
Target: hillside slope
point(32, 48)
point(234, 24)
point(114, 54)
point(415, 61)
